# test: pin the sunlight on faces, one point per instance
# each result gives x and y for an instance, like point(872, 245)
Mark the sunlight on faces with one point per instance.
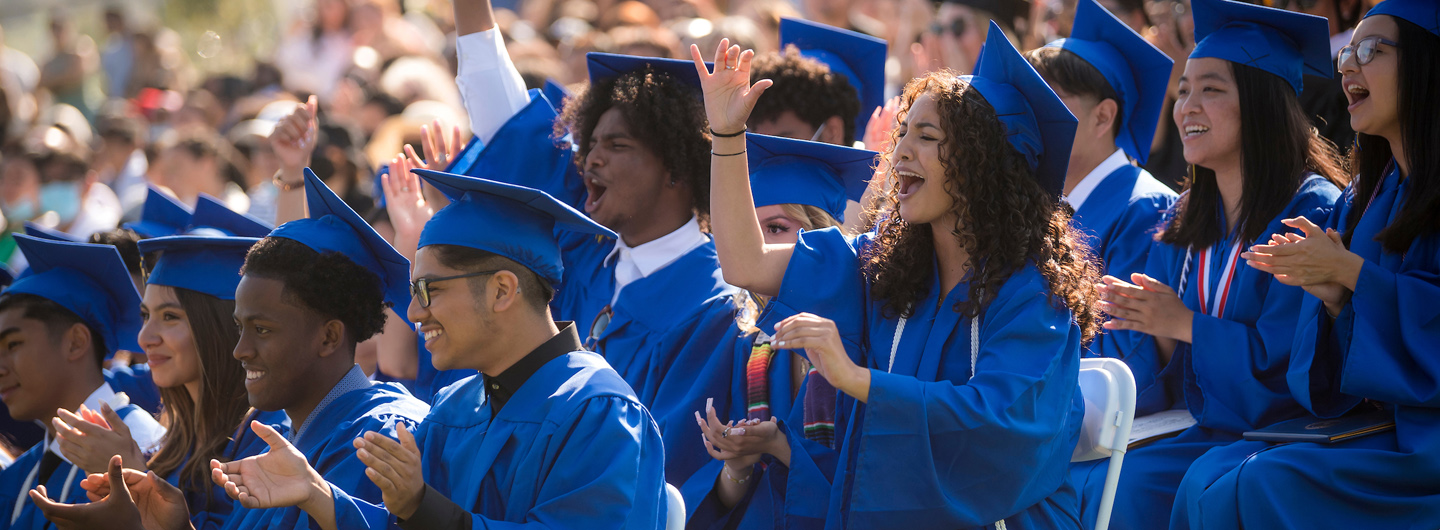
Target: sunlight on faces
point(457, 323)
point(30, 364)
point(279, 343)
point(167, 339)
point(624, 178)
point(1208, 113)
point(917, 164)
point(1378, 115)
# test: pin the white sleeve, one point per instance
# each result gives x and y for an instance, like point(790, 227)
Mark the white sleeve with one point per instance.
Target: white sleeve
point(490, 85)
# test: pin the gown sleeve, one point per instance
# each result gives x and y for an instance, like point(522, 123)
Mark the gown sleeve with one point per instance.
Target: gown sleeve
point(357, 499)
point(490, 86)
point(823, 277)
point(940, 453)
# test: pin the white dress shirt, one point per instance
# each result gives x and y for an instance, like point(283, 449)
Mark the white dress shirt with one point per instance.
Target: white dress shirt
point(634, 263)
point(143, 428)
point(1092, 180)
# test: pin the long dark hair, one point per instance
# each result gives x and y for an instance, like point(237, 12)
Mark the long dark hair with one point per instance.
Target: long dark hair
point(1419, 114)
point(1004, 218)
point(201, 433)
point(1277, 147)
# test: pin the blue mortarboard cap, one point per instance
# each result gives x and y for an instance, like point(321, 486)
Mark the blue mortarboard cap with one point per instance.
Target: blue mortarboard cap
point(604, 66)
point(513, 221)
point(1137, 71)
point(857, 56)
point(213, 218)
point(334, 227)
point(1423, 13)
point(524, 150)
point(556, 93)
point(162, 215)
point(787, 171)
point(1037, 122)
point(204, 264)
point(1281, 42)
point(7, 275)
point(49, 234)
point(89, 280)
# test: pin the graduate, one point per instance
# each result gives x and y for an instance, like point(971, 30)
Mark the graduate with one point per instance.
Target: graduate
point(825, 87)
point(1366, 327)
point(1222, 332)
point(189, 338)
point(780, 449)
point(213, 218)
point(310, 291)
point(1114, 82)
point(965, 408)
point(161, 215)
point(56, 327)
point(548, 435)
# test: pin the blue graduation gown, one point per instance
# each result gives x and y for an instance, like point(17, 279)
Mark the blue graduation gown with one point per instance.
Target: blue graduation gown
point(1232, 376)
point(936, 447)
point(780, 496)
point(13, 485)
point(211, 507)
point(1381, 347)
point(1120, 219)
point(136, 382)
point(573, 448)
point(328, 446)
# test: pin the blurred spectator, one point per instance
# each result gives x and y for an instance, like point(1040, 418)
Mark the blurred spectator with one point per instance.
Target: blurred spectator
point(252, 143)
point(1325, 100)
point(197, 160)
point(316, 53)
point(120, 159)
point(64, 74)
point(339, 161)
point(118, 55)
point(71, 197)
point(19, 193)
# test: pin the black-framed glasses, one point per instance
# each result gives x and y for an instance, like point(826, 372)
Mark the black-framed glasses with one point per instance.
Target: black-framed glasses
point(1363, 51)
point(420, 289)
point(597, 327)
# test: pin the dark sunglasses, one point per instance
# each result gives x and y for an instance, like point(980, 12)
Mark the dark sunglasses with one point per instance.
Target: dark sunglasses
point(1363, 51)
point(420, 289)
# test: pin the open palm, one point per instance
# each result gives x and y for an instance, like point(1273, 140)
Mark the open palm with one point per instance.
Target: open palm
point(729, 96)
point(279, 477)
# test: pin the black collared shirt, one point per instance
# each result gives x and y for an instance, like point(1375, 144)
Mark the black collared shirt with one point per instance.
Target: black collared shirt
point(503, 386)
point(438, 511)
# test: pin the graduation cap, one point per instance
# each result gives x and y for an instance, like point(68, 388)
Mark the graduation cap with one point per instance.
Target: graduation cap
point(524, 150)
point(334, 227)
point(89, 280)
point(48, 234)
point(1281, 42)
point(213, 218)
point(162, 215)
point(605, 66)
point(787, 171)
point(556, 93)
point(1137, 71)
point(858, 57)
point(513, 221)
point(1423, 13)
point(7, 275)
point(204, 264)
point(1037, 123)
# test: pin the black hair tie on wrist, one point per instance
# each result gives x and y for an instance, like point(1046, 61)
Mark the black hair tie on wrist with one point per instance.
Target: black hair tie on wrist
point(731, 135)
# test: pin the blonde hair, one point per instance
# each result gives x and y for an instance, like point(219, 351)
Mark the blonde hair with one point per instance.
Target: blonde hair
point(810, 218)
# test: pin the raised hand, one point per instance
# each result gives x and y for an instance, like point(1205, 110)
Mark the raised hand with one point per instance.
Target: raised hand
point(116, 509)
point(89, 439)
point(1147, 306)
point(729, 96)
point(161, 505)
point(279, 477)
point(820, 339)
point(882, 123)
point(395, 467)
point(742, 442)
point(294, 137)
point(406, 204)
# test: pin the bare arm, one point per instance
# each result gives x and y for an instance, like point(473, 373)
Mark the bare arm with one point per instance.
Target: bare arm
point(473, 16)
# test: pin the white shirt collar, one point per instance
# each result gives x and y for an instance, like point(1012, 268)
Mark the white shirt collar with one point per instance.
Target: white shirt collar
point(1091, 181)
point(104, 394)
point(655, 255)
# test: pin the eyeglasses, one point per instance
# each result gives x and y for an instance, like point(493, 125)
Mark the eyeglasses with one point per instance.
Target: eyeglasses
point(1363, 51)
point(420, 289)
point(597, 328)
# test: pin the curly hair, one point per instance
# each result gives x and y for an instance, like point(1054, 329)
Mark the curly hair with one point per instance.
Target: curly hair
point(328, 283)
point(807, 87)
point(663, 114)
point(1004, 217)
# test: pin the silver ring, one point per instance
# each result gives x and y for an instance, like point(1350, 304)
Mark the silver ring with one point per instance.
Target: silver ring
point(728, 67)
point(406, 188)
point(725, 433)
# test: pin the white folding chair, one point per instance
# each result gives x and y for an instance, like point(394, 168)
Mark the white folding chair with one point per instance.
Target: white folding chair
point(675, 509)
point(1109, 390)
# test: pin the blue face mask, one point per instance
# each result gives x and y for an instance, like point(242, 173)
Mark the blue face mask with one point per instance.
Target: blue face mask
point(63, 198)
point(19, 212)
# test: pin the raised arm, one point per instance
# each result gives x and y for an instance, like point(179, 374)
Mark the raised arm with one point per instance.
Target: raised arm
point(490, 86)
point(745, 259)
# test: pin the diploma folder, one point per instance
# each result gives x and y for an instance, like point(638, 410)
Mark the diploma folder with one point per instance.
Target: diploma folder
point(1326, 431)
